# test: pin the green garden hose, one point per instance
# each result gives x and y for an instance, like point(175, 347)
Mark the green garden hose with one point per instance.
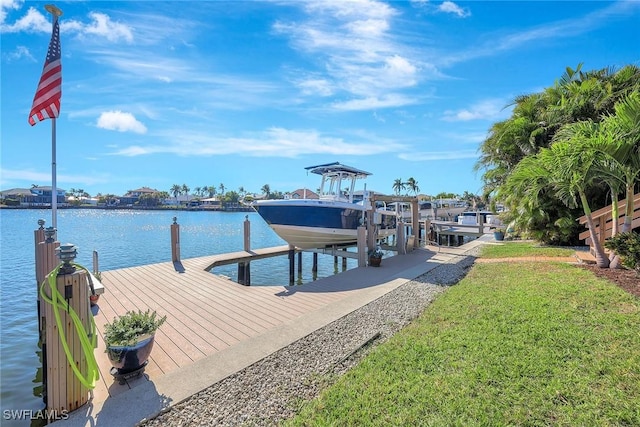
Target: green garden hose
point(58, 302)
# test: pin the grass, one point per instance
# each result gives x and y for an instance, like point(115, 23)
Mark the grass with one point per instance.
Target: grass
point(530, 344)
point(521, 249)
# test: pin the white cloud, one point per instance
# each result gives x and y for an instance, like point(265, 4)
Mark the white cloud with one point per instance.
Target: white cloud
point(33, 21)
point(439, 155)
point(122, 122)
point(272, 142)
point(100, 25)
point(371, 103)
point(18, 53)
point(557, 30)
point(451, 7)
point(8, 4)
point(103, 26)
point(315, 86)
point(355, 49)
point(489, 109)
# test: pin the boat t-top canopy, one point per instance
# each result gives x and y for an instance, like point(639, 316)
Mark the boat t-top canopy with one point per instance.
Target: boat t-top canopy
point(337, 168)
point(333, 175)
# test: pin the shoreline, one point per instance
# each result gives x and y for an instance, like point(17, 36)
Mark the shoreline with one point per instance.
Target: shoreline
point(137, 208)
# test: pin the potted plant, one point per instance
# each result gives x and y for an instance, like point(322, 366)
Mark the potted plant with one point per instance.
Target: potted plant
point(375, 257)
point(498, 234)
point(129, 340)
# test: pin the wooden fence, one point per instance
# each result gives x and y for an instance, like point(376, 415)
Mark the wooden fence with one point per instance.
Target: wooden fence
point(603, 221)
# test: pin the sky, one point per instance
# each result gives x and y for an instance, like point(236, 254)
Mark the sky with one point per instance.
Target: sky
point(248, 93)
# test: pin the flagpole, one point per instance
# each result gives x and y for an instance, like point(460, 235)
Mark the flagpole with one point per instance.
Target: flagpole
point(54, 188)
point(53, 10)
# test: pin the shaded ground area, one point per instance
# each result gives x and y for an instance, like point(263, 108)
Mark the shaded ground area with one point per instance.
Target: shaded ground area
point(626, 279)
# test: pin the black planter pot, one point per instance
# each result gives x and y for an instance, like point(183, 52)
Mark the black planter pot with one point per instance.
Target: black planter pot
point(375, 261)
point(130, 358)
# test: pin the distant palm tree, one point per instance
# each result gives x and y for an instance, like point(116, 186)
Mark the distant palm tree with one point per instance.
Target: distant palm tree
point(398, 186)
point(221, 187)
point(176, 190)
point(412, 184)
point(266, 190)
point(211, 190)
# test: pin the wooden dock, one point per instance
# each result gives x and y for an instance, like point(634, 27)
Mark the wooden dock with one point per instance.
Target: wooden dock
point(206, 313)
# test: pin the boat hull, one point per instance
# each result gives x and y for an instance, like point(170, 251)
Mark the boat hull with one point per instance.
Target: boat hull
point(309, 224)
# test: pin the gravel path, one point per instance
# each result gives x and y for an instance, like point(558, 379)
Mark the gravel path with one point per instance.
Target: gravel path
point(270, 390)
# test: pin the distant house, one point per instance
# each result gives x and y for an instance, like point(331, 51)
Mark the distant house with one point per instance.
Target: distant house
point(132, 196)
point(302, 193)
point(182, 199)
point(92, 201)
point(211, 203)
point(35, 196)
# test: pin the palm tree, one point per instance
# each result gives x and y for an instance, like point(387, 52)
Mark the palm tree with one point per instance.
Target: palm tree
point(412, 184)
point(623, 132)
point(398, 186)
point(176, 190)
point(266, 190)
point(221, 187)
point(574, 159)
point(576, 96)
point(211, 190)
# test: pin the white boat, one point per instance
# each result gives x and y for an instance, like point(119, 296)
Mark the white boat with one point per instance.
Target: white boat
point(331, 219)
point(442, 209)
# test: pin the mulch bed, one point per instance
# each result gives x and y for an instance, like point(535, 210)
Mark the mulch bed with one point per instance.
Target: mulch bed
point(628, 280)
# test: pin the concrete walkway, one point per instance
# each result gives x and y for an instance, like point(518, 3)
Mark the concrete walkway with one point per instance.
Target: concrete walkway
point(366, 284)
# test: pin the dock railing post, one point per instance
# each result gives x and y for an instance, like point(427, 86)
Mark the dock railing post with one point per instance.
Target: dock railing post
point(400, 238)
point(415, 224)
point(175, 240)
point(292, 262)
point(96, 264)
point(244, 268)
point(362, 246)
point(46, 261)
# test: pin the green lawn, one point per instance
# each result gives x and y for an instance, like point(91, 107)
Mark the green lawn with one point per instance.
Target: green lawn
point(530, 344)
point(520, 249)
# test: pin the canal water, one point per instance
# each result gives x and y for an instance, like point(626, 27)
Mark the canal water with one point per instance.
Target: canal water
point(122, 238)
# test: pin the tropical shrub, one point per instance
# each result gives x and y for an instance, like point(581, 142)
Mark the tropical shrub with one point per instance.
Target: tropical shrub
point(627, 245)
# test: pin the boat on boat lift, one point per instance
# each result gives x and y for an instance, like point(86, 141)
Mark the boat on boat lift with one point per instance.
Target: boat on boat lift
point(330, 220)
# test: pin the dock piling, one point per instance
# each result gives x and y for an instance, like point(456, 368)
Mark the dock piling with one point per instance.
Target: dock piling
point(65, 391)
point(175, 240)
point(244, 268)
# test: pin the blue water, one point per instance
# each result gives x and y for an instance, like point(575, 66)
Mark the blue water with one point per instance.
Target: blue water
point(122, 238)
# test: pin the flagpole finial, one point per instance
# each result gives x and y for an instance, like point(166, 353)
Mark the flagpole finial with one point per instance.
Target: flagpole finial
point(52, 9)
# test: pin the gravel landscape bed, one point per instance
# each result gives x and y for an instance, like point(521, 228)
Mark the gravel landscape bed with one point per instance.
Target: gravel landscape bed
point(271, 390)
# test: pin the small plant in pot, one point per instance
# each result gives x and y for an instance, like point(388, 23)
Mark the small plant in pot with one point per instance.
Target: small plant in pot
point(375, 257)
point(498, 233)
point(129, 340)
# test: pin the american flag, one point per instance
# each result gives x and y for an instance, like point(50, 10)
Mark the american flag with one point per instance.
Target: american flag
point(46, 102)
